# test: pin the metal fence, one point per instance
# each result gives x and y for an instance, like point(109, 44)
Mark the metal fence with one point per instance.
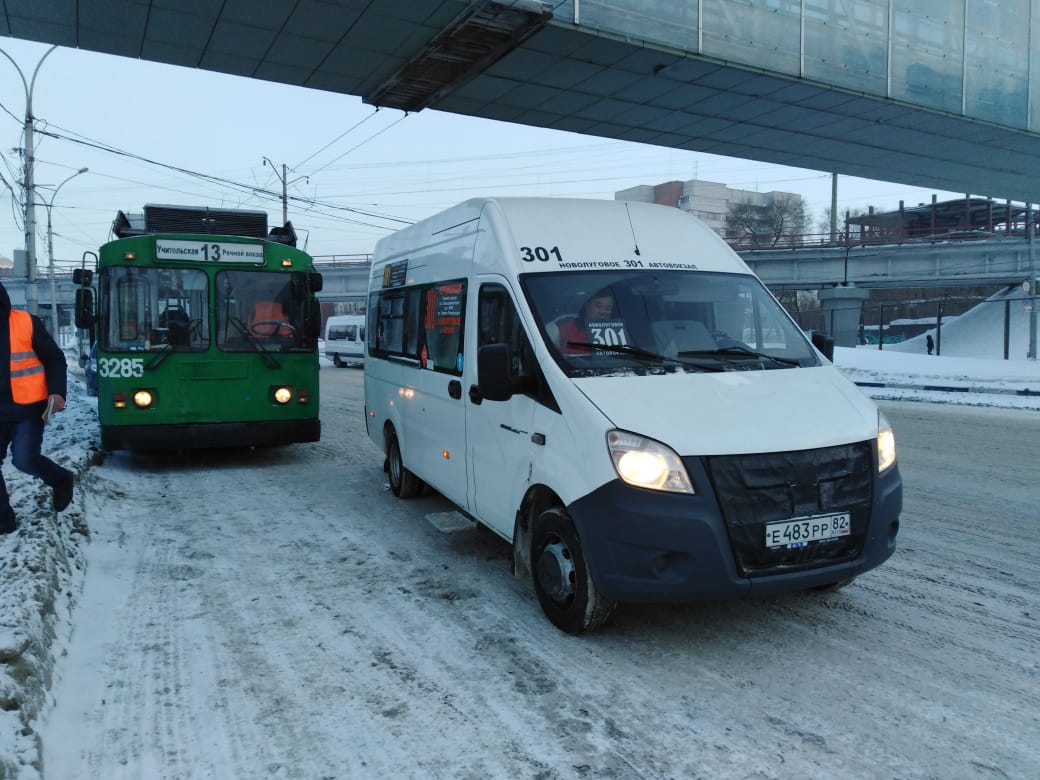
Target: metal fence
point(998, 328)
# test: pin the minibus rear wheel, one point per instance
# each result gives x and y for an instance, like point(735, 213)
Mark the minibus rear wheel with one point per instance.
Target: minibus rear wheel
point(403, 483)
point(565, 589)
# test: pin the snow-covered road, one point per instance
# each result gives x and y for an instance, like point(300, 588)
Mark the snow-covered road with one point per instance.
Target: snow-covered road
point(280, 614)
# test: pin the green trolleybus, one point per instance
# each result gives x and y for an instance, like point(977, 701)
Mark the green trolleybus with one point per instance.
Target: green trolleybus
point(206, 330)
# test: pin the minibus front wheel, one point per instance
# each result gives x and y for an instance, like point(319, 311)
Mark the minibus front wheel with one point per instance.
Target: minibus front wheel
point(562, 582)
point(403, 483)
point(832, 587)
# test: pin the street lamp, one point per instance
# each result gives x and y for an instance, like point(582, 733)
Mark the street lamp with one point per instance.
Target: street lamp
point(50, 254)
point(27, 183)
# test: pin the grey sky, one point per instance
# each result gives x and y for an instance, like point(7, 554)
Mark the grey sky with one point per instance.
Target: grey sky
point(367, 171)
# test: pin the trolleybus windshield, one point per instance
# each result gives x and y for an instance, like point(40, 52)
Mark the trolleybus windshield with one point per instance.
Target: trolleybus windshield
point(154, 309)
point(262, 309)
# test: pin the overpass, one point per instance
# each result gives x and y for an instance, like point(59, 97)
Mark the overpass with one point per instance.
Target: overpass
point(938, 95)
point(937, 263)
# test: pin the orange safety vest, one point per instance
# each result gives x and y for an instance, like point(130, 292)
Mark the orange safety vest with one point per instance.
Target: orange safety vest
point(272, 319)
point(28, 379)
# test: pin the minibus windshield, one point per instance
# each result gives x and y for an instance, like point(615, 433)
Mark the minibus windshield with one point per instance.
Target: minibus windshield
point(603, 322)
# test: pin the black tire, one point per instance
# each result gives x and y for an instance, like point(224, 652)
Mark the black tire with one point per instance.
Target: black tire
point(565, 590)
point(336, 361)
point(403, 483)
point(831, 587)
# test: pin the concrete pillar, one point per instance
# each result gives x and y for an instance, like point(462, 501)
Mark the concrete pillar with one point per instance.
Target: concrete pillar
point(842, 307)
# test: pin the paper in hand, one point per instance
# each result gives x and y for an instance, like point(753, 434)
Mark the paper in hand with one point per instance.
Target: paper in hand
point(49, 410)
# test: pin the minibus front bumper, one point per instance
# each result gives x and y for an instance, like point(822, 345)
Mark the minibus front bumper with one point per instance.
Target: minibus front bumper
point(646, 545)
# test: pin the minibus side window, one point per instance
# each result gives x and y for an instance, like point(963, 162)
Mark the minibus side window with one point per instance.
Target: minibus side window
point(443, 319)
point(423, 323)
point(391, 326)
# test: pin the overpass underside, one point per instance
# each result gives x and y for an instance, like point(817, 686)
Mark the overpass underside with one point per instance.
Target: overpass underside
point(937, 95)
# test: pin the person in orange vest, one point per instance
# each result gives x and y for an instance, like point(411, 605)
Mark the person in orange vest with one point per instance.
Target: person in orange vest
point(33, 383)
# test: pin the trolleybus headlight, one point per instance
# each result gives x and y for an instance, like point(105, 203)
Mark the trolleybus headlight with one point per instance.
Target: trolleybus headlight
point(646, 463)
point(886, 444)
point(143, 399)
point(283, 395)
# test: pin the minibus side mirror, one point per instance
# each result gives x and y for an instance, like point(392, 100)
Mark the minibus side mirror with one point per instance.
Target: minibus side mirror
point(84, 308)
point(824, 343)
point(494, 372)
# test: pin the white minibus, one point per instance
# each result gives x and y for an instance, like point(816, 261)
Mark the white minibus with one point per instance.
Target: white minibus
point(345, 339)
point(607, 386)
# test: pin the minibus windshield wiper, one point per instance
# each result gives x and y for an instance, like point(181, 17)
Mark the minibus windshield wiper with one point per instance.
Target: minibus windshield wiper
point(740, 353)
point(643, 354)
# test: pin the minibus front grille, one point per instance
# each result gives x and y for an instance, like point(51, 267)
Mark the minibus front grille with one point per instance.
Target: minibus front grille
point(758, 489)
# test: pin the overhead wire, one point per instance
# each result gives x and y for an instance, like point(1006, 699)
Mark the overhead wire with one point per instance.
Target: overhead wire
point(337, 138)
point(244, 189)
point(357, 146)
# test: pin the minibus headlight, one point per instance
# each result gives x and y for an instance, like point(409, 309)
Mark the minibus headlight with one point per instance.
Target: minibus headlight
point(143, 399)
point(282, 395)
point(646, 463)
point(886, 444)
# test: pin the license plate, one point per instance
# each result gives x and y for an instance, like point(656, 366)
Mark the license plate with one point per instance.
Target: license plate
point(802, 531)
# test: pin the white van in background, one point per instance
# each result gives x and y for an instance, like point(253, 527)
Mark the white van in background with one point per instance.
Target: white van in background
point(607, 386)
point(345, 339)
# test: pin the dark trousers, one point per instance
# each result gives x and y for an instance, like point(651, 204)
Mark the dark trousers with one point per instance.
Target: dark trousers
point(25, 438)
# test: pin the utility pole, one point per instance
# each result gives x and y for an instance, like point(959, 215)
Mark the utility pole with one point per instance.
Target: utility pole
point(1031, 227)
point(285, 187)
point(31, 296)
point(834, 209)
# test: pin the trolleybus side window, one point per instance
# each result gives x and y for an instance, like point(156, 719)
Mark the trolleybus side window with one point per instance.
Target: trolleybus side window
point(424, 324)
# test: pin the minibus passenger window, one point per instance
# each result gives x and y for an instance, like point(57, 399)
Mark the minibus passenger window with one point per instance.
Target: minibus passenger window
point(422, 323)
point(443, 325)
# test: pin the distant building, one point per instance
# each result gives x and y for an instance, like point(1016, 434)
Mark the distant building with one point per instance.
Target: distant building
point(963, 218)
point(708, 200)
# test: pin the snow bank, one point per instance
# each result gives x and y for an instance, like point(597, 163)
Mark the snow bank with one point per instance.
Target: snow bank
point(41, 565)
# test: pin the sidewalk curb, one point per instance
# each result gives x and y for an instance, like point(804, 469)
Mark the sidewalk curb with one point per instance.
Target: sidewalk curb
point(1025, 392)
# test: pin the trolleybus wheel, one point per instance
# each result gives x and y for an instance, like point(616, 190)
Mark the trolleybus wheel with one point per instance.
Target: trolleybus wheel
point(336, 361)
point(565, 589)
point(403, 483)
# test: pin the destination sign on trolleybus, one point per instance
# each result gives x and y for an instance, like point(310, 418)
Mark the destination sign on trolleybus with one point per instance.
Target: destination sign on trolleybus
point(208, 251)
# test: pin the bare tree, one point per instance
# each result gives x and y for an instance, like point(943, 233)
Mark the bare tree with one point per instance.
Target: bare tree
point(781, 220)
point(824, 225)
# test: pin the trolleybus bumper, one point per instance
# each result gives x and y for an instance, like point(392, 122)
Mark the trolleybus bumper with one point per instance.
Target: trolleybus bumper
point(209, 435)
